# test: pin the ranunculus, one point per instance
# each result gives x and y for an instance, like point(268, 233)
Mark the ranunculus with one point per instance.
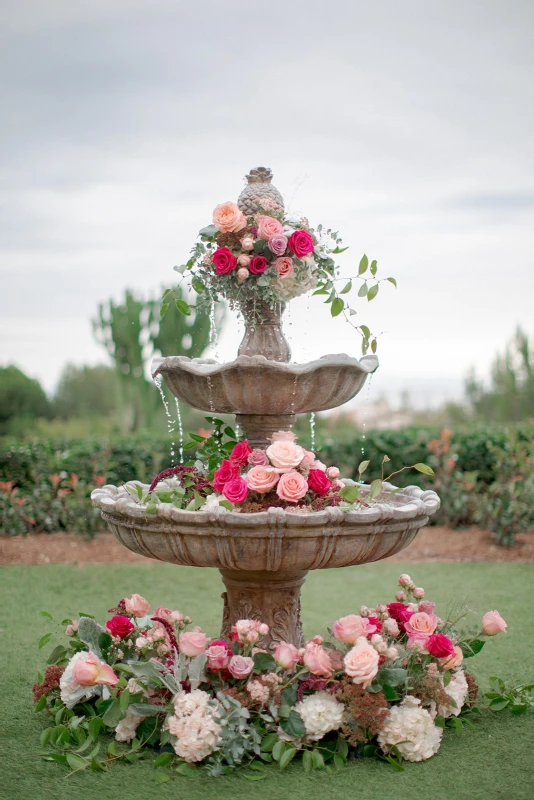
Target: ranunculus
point(317, 660)
point(286, 655)
point(439, 645)
point(193, 643)
point(348, 629)
point(236, 490)
point(268, 226)
point(300, 243)
point(399, 612)
point(228, 217)
point(258, 458)
point(421, 624)
point(219, 655)
point(318, 482)
point(137, 606)
point(285, 455)
point(455, 660)
point(258, 265)
point(283, 436)
point(292, 486)
point(284, 267)
point(241, 452)
point(278, 244)
point(361, 663)
point(240, 666)
point(333, 473)
point(261, 479)
point(228, 471)
point(120, 626)
point(493, 623)
point(243, 260)
point(90, 671)
point(224, 261)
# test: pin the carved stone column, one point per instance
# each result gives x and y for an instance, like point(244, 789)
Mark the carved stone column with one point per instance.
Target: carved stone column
point(263, 332)
point(273, 598)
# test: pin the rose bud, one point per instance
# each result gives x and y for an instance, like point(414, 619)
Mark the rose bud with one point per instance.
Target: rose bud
point(493, 623)
point(242, 274)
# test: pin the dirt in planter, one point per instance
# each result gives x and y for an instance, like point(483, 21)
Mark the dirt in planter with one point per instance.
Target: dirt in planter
point(432, 544)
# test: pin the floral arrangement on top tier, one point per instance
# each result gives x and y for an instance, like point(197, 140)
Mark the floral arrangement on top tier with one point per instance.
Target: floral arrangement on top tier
point(241, 478)
point(386, 684)
point(253, 253)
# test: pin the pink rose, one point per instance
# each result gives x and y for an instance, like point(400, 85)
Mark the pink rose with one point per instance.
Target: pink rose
point(219, 655)
point(240, 666)
point(455, 660)
point(241, 452)
point(137, 606)
point(317, 660)
point(258, 458)
point(228, 471)
point(348, 629)
point(250, 630)
point(242, 274)
point(193, 643)
point(308, 460)
point(318, 465)
point(292, 486)
point(284, 267)
point(258, 265)
point(439, 645)
point(71, 629)
point(224, 261)
point(285, 455)
point(391, 626)
point(89, 670)
point(421, 624)
point(333, 473)
point(493, 623)
point(235, 491)
point(286, 655)
point(277, 244)
point(228, 217)
point(243, 260)
point(361, 663)
point(261, 479)
point(404, 579)
point(247, 243)
point(318, 482)
point(418, 593)
point(268, 226)
point(300, 243)
point(284, 436)
point(391, 653)
point(401, 596)
point(427, 606)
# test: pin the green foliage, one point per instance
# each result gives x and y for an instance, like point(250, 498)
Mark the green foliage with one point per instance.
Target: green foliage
point(517, 698)
point(21, 399)
point(86, 392)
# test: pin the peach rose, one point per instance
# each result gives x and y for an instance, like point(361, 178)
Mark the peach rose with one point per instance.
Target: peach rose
point(193, 643)
point(137, 606)
point(317, 660)
point(361, 663)
point(283, 436)
point(348, 629)
point(268, 226)
point(292, 486)
point(240, 666)
point(453, 661)
point(228, 217)
point(493, 623)
point(286, 655)
point(90, 670)
point(421, 624)
point(284, 267)
point(285, 455)
point(261, 479)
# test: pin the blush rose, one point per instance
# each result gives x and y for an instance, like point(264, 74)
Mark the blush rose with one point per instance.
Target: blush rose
point(292, 486)
point(317, 660)
point(284, 267)
point(228, 218)
point(361, 663)
point(268, 226)
point(350, 628)
point(278, 244)
point(285, 455)
point(493, 623)
point(262, 479)
point(89, 670)
point(193, 643)
point(240, 666)
point(286, 655)
point(137, 606)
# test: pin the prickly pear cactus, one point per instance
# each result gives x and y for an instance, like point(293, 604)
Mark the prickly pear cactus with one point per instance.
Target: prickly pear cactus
point(259, 186)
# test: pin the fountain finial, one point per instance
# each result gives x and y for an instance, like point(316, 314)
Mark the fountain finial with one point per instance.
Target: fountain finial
point(258, 188)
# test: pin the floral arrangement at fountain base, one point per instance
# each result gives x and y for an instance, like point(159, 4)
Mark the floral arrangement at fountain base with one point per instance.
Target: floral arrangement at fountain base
point(148, 684)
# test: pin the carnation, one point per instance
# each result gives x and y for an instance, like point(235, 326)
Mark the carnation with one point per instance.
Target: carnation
point(320, 713)
point(457, 690)
point(410, 729)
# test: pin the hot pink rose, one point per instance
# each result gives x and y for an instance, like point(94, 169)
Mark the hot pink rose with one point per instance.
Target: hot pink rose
point(193, 643)
point(258, 458)
point(455, 660)
point(284, 267)
point(286, 655)
point(268, 226)
point(284, 436)
point(399, 612)
point(317, 660)
point(89, 670)
point(262, 479)
point(348, 629)
point(493, 623)
point(240, 666)
point(439, 645)
point(137, 606)
point(278, 244)
point(228, 471)
point(292, 486)
point(285, 455)
point(241, 452)
point(235, 491)
point(219, 655)
point(224, 261)
point(361, 663)
point(120, 626)
point(228, 217)
point(300, 243)
point(318, 482)
point(258, 265)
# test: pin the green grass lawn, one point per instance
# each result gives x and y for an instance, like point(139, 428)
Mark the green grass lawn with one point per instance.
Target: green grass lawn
point(495, 760)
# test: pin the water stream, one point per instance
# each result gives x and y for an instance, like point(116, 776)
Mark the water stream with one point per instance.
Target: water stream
point(180, 429)
point(158, 380)
point(312, 431)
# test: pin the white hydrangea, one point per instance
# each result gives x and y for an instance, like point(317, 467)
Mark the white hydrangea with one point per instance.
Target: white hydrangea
point(411, 729)
point(127, 727)
point(293, 286)
point(194, 725)
point(212, 502)
point(458, 691)
point(320, 714)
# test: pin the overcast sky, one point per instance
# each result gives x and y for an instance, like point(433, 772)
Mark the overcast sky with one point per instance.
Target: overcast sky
point(406, 125)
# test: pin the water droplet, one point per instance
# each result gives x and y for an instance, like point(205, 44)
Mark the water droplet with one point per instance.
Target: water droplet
point(312, 431)
point(180, 429)
point(158, 380)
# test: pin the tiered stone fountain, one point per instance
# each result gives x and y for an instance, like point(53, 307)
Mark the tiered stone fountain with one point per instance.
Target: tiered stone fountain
point(264, 557)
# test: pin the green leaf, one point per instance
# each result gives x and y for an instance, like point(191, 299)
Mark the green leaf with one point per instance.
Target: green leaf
point(163, 760)
point(339, 761)
point(362, 291)
point(373, 346)
point(76, 762)
point(376, 488)
point(254, 776)
point(446, 677)
point(318, 760)
point(362, 467)
point(373, 268)
point(337, 306)
point(209, 231)
point(369, 750)
point(57, 654)
point(89, 633)
point(365, 331)
point(268, 742)
point(162, 777)
point(364, 263)
point(424, 468)
point(113, 715)
point(470, 649)
point(93, 726)
point(373, 291)
point(97, 766)
point(498, 705)
point(293, 725)
point(44, 640)
point(163, 310)
point(183, 307)
point(350, 493)
point(307, 761)
point(346, 289)
point(264, 662)
point(278, 749)
point(288, 756)
point(41, 704)
point(289, 695)
point(393, 281)
point(337, 250)
point(124, 699)
point(392, 676)
point(389, 692)
point(46, 615)
point(342, 747)
point(186, 771)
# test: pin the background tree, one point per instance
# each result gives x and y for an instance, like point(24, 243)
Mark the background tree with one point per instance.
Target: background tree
point(21, 399)
point(86, 392)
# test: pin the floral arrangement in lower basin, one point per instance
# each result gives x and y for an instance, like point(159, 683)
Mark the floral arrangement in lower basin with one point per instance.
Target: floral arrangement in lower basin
point(241, 478)
point(148, 683)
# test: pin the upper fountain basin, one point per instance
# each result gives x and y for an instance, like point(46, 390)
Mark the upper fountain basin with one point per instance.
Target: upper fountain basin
point(255, 385)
